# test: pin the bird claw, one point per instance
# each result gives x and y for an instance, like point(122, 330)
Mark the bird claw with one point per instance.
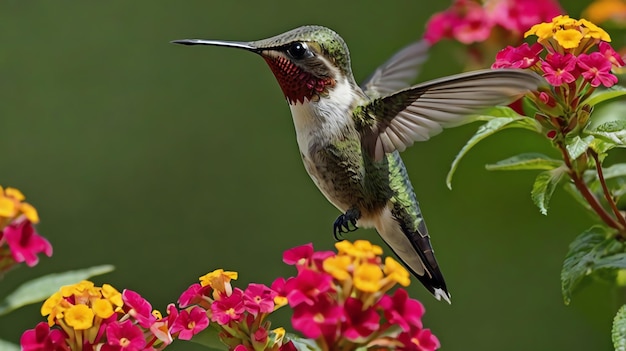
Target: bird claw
point(343, 222)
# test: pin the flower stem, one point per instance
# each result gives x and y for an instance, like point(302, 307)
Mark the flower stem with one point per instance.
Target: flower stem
point(605, 189)
point(586, 193)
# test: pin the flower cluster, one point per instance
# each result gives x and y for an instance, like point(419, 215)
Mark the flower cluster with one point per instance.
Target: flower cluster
point(472, 21)
point(341, 300)
point(575, 58)
point(19, 242)
point(239, 315)
point(86, 317)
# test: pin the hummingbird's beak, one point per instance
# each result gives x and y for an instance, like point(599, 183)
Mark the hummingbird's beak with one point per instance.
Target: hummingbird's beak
point(232, 44)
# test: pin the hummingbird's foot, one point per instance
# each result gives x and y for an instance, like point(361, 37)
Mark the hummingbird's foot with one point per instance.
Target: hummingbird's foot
point(343, 222)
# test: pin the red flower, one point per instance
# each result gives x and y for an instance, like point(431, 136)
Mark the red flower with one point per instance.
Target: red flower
point(138, 307)
point(25, 243)
point(560, 69)
point(523, 56)
point(298, 254)
point(318, 319)
point(605, 49)
point(228, 308)
point(418, 340)
point(193, 295)
point(596, 69)
point(306, 286)
point(190, 323)
point(402, 310)
point(124, 336)
point(520, 15)
point(359, 323)
point(43, 339)
point(258, 298)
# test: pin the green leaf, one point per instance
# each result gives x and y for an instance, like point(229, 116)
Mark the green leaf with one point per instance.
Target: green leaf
point(301, 343)
point(7, 346)
point(41, 288)
point(589, 252)
point(544, 187)
point(613, 132)
point(524, 162)
point(604, 95)
point(618, 332)
point(577, 146)
point(494, 125)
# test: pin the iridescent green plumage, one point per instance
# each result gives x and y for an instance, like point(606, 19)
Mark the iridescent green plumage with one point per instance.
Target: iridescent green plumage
point(350, 137)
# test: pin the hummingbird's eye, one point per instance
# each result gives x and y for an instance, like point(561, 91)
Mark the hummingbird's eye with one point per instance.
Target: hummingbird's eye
point(297, 50)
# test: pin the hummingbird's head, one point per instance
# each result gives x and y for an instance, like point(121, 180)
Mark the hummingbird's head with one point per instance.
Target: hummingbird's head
point(307, 61)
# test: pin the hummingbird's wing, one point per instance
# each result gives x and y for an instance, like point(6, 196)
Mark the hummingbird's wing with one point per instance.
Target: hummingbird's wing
point(398, 72)
point(396, 121)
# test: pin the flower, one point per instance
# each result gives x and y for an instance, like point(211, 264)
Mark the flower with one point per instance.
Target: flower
point(228, 308)
point(360, 322)
point(42, 338)
point(596, 69)
point(24, 242)
point(189, 323)
point(560, 69)
point(258, 298)
point(124, 336)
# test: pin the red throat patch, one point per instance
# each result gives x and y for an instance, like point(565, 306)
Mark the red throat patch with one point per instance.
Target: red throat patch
point(296, 84)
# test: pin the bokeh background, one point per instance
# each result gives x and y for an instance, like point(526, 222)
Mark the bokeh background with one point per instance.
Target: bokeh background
point(171, 161)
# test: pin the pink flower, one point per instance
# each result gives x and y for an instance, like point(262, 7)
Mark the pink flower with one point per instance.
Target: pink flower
point(596, 69)
point(43, 339)
point(25, 243)
point(258, 298)
point(190, 323)
point(519, 15)
point(138, 307)
point(559, 69)
point(418, 339)
point(124, 336)
point(193, 295)
point(228, 308)
point(318, 319)
point(465, 21)
point(402, 310)
point(523, 56)
point(607, 50)
point(298, 254)
point(359, 323)
point(306, 286)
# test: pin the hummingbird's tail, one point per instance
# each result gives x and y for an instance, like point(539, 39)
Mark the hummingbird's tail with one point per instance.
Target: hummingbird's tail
point(413, 248)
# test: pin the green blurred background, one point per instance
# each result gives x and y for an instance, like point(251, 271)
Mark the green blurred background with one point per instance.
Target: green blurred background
point(171, 161)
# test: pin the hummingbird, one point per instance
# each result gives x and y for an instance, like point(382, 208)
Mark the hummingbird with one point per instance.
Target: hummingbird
point(350, 136)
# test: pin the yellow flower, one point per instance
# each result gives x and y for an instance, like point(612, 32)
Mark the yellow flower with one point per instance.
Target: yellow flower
point(541, 30)
point(360, 249)
point(219, 280)
point(367, 277)
point(102, 308)
point(51, 303)
point(590, 30)
point(279, 335)
point(396, 272)
point(29, 212)
point(606, 10)
point(14, 193)
point(79, 317)
point(568, 38)
point(7, 207)
point(111, 294)
point(337, 266)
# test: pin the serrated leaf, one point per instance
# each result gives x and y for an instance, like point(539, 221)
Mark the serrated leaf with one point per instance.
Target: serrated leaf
point(544, 187)
point(618, 332)
point(577, 146)
point(525, 161)
point(591, 247)
point(613, 132)
point(41, 288)
point(493, 126)
point(7, 346)
point(604, 95)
